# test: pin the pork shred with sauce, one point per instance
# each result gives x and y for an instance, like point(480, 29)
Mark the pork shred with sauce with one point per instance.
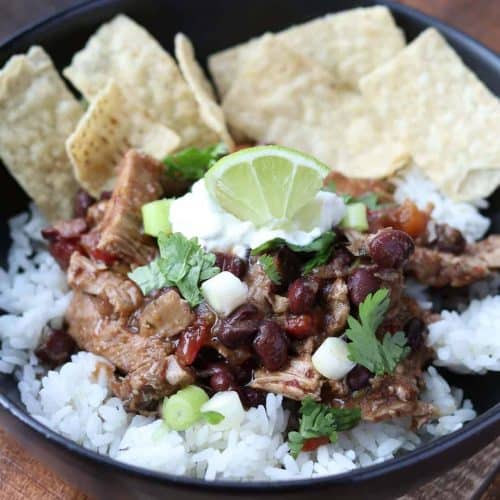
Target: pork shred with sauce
point(157, 343)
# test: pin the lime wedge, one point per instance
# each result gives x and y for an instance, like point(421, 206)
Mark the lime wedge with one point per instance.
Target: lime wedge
point(265, 184)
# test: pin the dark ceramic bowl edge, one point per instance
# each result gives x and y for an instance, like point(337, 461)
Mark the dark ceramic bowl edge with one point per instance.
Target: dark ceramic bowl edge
point(484, 427)
point(487, 424)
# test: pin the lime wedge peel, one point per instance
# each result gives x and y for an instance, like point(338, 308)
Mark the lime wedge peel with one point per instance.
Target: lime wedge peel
point(266, 185)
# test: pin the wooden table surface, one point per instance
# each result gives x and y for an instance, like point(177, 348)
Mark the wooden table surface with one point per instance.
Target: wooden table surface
point(22, 477)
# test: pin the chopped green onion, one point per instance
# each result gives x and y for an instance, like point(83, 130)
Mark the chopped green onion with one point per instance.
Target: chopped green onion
point(355, 217)
point(182, 410)
point(227, 404)
point(155, 217)
point(212, 417)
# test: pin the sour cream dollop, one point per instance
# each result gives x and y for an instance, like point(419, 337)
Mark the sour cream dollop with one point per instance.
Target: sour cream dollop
point(197, 214)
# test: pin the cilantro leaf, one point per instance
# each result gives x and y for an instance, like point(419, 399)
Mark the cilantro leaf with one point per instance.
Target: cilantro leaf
point(365, 348)
point(394, 349)
point(150, 277)
point(182, 263)
point(317, 245)
point(191, 164)
point(318, 420)
point(267, 263)
point(321, 247)
point(269, 246)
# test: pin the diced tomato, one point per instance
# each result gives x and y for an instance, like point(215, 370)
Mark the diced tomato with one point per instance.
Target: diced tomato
point(190, 343)
point(90, 242)
point(300, 325)
point(103, 256)
point(411, 220)
point(406, 217)
point(62, 250)
point(314, 443)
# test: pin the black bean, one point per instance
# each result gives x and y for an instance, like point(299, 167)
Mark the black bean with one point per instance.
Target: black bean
point(231, 263)
point(391, 248)
point(358, 378)
point(243, 373)
point(271, 345)
point(302, 294)
point(360, 283)
point(251, 398)
point(449, 239)
point(222, 380)
point(210, 369)
point(239, 328)
point(415, 330)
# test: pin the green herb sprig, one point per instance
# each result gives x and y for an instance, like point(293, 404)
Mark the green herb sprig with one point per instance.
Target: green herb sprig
point(182, 263)
point(191, 164)
point(321, 249)
point(365, 348)
point(269, 266)
point(318, 420)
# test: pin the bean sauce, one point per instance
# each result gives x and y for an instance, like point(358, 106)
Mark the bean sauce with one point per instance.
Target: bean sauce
point(56, 348)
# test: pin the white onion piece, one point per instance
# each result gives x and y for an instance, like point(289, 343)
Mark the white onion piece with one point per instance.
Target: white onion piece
point(331, 359)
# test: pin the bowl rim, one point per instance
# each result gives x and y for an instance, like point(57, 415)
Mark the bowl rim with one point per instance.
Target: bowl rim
point(487, 421)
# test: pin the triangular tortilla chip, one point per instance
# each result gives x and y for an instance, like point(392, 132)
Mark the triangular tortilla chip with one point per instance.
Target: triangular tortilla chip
point(283, 98)
point(126, 52)
point(209, 109)
point(110, 127)
point(450, 122)
point(477, 183)
point(347, 45)
point(37, 113)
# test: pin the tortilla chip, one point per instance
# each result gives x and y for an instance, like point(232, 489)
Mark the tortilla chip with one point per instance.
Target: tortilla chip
point(126, 52)
point(110, 127)
point(209, 109)
point(383, 160)
point(37, 113)
point(447, 118)
point(348, 45)
point(477, 183)
point(281, 97)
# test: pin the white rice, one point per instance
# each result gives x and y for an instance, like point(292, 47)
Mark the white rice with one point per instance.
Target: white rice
point(33, 291)
point(468, 342)
point(75, 400)
point(413, 185)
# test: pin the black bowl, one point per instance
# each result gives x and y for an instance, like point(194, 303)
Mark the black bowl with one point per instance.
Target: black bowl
point(212, 26)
